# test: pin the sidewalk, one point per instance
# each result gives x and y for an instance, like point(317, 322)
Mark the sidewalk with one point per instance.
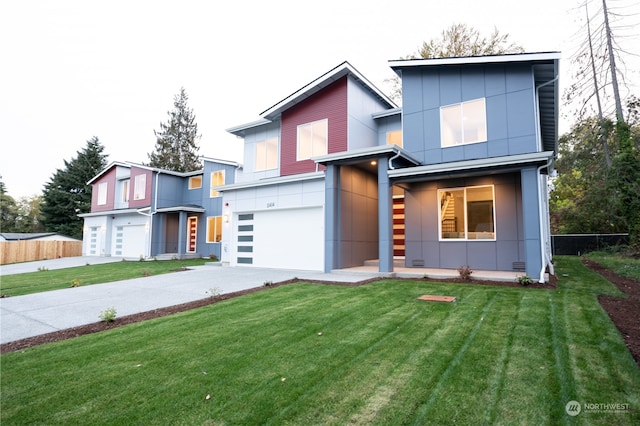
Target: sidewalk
point(41, 313)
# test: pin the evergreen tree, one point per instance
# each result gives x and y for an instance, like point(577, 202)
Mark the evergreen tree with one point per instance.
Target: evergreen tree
point(8, 210)
point(67, 193)
point(177, 141)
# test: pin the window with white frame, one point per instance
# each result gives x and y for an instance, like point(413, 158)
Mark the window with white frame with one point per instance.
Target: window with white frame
point(195, 182)
point(217, 179)
point(467, 213)
point(313, 139)
point(125, 190)
point(214, 229)
point(394, 138)
point(140, 187)
point(463, 123)
point(267, 154)
point(102, 193)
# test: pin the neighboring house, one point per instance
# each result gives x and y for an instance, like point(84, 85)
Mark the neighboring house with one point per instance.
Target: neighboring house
point(37, 236)
point(336, 174)
point(143, 212)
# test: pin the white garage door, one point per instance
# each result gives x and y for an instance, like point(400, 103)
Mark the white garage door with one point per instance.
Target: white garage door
point(129, 241)
point(289, 239)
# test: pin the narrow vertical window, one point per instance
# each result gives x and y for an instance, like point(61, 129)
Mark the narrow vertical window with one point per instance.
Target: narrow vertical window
point(267, 154)
point(125, 191)
point(217, 179)
point(140, 186)
point(102, 193)
point(214, 229)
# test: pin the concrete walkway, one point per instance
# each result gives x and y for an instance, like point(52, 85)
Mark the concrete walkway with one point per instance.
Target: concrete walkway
point(46, 312)
point(41, 313)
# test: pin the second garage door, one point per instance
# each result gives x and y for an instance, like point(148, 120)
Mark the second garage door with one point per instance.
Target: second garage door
point(289, 239)
point(129, 241)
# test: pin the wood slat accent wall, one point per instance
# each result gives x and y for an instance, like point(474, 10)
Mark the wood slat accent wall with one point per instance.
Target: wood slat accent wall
point(27, 251)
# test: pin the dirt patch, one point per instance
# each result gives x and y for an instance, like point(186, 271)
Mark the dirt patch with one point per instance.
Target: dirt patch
point(623, 312)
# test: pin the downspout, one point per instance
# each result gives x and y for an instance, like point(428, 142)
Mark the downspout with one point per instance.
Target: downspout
point(546, 260)
point(544, 257)
point(391, 161)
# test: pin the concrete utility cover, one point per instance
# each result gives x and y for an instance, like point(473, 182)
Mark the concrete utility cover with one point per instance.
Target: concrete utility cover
point(432, 298)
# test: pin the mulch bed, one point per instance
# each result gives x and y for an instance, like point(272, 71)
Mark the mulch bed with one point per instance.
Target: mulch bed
point(623, 312)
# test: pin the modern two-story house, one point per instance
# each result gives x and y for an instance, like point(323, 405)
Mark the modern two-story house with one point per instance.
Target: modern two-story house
point(336, 174)
point(144, 212)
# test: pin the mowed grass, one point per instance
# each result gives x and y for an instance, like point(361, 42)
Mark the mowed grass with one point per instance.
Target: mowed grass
point(498, 355)
point(55, 279)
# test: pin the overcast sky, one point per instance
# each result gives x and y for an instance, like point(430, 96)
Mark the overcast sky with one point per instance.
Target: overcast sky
point(72, 70)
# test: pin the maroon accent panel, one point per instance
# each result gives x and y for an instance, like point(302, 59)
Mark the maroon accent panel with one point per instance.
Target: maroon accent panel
point(146, 201)
point(329, 103)
point(110, 178)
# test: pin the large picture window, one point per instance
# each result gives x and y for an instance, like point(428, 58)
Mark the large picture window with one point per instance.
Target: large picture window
point(463, 123)
point(467, 213)
point(217, 179)
point(267, 154)
point(214, 229)
point(312, 139)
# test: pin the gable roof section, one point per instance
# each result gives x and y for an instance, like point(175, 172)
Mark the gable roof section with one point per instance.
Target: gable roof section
point(320, 83)
point(545, 69)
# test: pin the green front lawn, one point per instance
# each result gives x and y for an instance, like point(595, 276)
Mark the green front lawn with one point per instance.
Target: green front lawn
point(55, 279)
point(319, 354)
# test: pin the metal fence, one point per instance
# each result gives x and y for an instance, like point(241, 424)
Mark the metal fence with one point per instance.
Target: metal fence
point(578, 244)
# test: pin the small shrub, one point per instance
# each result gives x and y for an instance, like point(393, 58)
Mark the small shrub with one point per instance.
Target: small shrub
point(525, 280)
point(75, 282)
point(42, 269)
point(213, 257)
point(214, 291)
point(141, 258)
point(108, 315)
point(268, 283)
point(146, 273)
point(465, 272)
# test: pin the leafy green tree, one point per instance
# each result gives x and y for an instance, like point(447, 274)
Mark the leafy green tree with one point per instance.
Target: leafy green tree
point(456, 41)
point(8, 210)
point(67, 193)
point(28, 216)
point(177, 141)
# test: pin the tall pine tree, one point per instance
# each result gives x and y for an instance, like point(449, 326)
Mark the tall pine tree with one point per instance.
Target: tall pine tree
point(177, 141)
point(67, 193)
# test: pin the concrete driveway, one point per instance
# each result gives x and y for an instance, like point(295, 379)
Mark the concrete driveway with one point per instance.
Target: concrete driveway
point(41, 313)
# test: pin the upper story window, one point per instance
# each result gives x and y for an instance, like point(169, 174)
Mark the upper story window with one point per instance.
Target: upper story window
point(394, 138)
point(463, 123)
point(312, 139)
point(195, 182)
point(102, 193)
point(124, 186)
point(267, 154)
point(217, 179)
point(140, 187)
point(467, 213)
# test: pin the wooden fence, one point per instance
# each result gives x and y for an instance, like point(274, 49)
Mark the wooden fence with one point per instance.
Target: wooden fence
point(29, 250)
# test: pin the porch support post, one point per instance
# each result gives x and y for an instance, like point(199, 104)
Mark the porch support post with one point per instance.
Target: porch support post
point(531, 222)
point(182, 234)
point(332, 218)
point(385, 219)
